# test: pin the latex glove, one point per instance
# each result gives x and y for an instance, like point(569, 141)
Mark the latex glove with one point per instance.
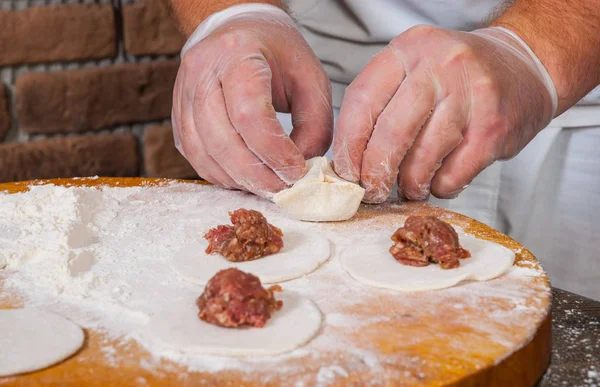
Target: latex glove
point(436, 107)
point(238, 68)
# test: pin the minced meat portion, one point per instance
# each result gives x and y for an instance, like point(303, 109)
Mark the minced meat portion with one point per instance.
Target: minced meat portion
point(425, 239)
point(233, 298)
point(251, 237)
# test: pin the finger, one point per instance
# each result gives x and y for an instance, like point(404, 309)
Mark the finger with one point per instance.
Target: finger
point(364, 100)
point(484, 139)
point(206, 166)
point(176, 112)
point(395, 131)
point(461, 166)
point(192, 145)
point(224, 144)
point(249, 102)
point(441, 134)
point(312, 113)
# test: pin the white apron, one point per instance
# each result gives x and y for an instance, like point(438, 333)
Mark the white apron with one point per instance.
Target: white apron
point(547, 198)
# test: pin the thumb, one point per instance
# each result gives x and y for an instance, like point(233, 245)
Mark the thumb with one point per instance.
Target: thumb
point(312, 113)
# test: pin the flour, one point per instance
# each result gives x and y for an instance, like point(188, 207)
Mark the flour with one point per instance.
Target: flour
point(329, 374)
point(100, 257)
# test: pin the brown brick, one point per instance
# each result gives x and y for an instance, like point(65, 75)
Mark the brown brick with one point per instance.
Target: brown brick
point(161, 157)
point(103, 155)
point(5, 120)
point(57, 33)
point(150, 28)
point(90, 99)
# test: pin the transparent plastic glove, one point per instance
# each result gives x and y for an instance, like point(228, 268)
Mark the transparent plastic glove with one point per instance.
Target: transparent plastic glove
point(238, 68)
point(436, 107)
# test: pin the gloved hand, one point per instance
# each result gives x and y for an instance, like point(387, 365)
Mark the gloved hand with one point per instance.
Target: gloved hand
point(436, 107)
point(238, 68)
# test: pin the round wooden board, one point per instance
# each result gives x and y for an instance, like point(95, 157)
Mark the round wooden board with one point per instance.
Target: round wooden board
point(429, 341)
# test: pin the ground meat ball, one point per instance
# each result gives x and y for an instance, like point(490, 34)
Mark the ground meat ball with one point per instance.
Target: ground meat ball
point(425, 239)
point(250, 237)
point(233, 298)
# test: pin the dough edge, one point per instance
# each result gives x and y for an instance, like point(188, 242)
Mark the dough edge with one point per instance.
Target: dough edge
point(443, 283)
point(39, 318)
point(308, 310)
point(180, 264)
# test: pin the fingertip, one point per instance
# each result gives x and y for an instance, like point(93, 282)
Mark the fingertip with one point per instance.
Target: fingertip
point(292, 173)
point(343, 164)
point(312, 128)
point(415, 185)
point(446, 186)
point(345, 172)
point(262, 189)
point(375, 194)
point(312, 144)
point(418, 193)
point(349, 146)
point(460, 168)
point(375, 197)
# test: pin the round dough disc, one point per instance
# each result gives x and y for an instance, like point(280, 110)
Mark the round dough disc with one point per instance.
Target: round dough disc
point(302, 253)
point(372, 264)
point(179, 328)
point(32, 340)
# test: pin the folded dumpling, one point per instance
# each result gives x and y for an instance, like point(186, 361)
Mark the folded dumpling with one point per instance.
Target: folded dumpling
point(321, 195)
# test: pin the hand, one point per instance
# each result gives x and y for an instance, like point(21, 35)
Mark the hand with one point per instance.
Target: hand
point(436, 107)
point(229, 86)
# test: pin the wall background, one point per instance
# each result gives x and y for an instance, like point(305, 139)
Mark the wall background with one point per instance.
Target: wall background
point(85, 89)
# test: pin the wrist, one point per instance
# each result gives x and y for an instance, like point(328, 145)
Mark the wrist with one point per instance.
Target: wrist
point(190, 13)
point(565, 42)
point(522, 51)
point(218, 19)
point(548, 56)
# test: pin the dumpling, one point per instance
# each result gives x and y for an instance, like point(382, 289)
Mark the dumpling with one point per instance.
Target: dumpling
point(321, 195)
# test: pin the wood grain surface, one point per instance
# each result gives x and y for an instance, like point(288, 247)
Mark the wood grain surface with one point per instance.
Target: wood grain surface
point(433, 339)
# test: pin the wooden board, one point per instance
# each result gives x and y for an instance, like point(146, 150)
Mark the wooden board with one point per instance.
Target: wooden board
point(429, 340)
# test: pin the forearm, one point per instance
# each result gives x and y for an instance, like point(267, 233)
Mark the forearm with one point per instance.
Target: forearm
point(190, 13)
point(564, 34)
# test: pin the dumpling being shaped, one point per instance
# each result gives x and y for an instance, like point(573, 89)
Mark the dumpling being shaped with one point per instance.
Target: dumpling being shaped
point(321, 195)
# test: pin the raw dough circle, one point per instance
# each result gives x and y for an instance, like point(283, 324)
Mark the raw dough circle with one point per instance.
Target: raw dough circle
point(180, 329)
point(302, 253)
point(31, 340)
point(372, 264)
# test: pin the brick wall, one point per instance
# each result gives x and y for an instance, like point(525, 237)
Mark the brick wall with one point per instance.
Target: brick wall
point(86, 88)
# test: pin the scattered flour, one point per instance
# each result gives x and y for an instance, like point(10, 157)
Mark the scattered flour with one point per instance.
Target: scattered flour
point(329, 374)
point(99, 256)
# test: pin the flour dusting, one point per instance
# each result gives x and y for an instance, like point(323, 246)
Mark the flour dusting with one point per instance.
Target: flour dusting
point(100, 256)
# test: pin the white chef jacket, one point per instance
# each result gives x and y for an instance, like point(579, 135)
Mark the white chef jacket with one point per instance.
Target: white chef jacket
point(547, 198)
